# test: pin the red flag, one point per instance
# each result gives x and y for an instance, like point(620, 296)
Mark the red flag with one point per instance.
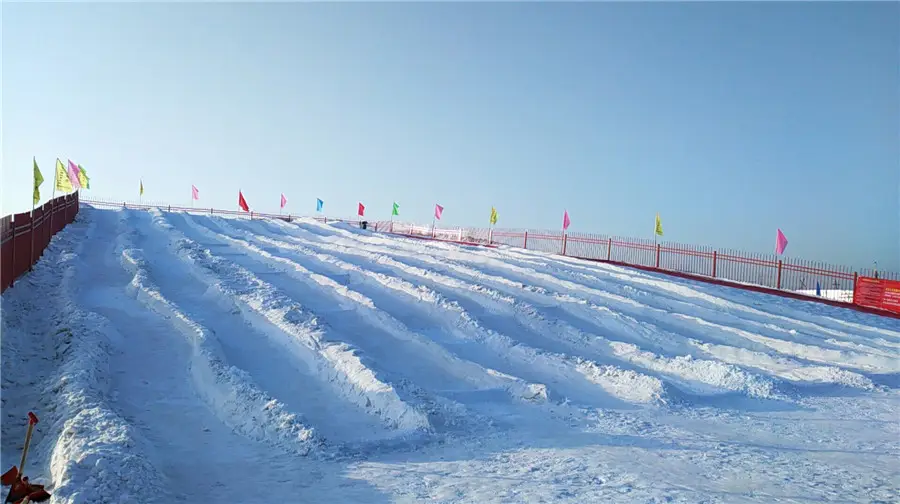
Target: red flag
point(566, 220)
point(242, 202)
point(362, 210)
point(283, 200)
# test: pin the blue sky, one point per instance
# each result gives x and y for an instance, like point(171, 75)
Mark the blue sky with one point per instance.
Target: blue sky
point(730, 119)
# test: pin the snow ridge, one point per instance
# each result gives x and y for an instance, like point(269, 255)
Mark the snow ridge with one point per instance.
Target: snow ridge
point(92, 452)
point(335, 363)
point(228, 390)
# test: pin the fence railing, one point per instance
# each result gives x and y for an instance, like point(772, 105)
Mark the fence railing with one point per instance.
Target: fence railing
point(789, 274)
point(767, 270)
point(24, 236)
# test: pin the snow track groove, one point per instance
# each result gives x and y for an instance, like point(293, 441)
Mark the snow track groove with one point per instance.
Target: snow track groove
point(691, 376)
point(265, 306)
point(573, 376)
point(628, 329)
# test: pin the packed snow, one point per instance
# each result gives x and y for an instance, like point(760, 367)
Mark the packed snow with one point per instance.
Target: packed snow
point(177, 357)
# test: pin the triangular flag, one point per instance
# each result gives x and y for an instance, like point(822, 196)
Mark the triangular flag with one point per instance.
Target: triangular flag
point(438, 210)
point(361, 210)
point(38, 180)
point(319, 204)
point(142, 187)
point(62, 182)
point(493, 215)
point(396, 210)
point(83, 177)
point(242, 202)
point(283, 200)
point(658, 229)
point(73, 175)
point(780, 242)
point(566, 220)
point(195, 193)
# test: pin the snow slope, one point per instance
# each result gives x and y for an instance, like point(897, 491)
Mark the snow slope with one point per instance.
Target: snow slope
point(181, 357)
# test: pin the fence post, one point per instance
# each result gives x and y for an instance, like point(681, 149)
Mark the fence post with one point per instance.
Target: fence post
point(715, 255)
point(855, 278)
point(657, 256)
point(490, 236)
point(564, 243)
point(778, 280)
point(608, 248)
point(12, 242)
point(525, 246)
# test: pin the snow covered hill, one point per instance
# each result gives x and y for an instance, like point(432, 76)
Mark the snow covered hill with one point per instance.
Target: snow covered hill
point(175, 357)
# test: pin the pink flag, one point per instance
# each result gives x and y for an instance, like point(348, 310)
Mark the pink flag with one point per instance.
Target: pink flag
point(566, 220)
point(361, 210)
point(438, 210)
point(195, 194)
point(283, 200)
point(780, 243)
point(73, 175)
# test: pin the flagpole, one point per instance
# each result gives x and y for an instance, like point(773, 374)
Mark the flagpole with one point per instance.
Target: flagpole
point(32, 235)
point(52, 198)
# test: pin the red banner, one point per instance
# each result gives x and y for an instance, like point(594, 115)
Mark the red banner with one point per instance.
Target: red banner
point(877, 293)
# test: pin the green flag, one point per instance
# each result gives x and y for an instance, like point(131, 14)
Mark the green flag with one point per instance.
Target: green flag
point(396, 210)
point(38, 180)
point(83, 177)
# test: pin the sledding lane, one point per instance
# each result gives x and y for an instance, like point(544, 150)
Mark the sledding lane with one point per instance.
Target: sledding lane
point(201, 452)
point(703, 320)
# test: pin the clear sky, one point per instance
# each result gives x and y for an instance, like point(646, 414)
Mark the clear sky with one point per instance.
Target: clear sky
point(730, 119)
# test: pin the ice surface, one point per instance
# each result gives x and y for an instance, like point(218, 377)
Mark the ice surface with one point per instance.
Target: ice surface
point(207, 359)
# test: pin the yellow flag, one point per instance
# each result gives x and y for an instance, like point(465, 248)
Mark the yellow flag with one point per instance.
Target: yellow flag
point(38, 180)
point(493, 215)
point(62, 178)
point(83, 178)
point(142, 187)
point(658, 225)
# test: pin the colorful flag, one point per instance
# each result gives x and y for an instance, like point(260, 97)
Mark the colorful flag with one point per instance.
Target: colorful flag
point(38, 180)
point(566, 220)
point(396, 210)
point(242, 202)
point(83, 178)
point(658, 229)
point(438, 210)
point(780, 242)
point(195, 193)
point(361, 210)
point(73, 175)
point(62, 182)
point(283, 200)
point(493, 215)
point(319, 204)
point(142, 187)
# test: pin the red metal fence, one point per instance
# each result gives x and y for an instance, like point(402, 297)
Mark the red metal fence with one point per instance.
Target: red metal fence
point(790, 274)
point(24, 236)
point(787, 274)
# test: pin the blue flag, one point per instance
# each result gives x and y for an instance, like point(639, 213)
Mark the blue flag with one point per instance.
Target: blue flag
point(319, 204)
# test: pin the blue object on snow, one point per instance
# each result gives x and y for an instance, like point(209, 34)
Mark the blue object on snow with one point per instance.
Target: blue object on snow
point(818, 289)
